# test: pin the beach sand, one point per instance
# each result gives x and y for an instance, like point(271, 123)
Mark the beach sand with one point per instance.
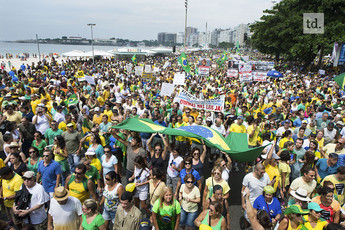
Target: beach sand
point(16, 62)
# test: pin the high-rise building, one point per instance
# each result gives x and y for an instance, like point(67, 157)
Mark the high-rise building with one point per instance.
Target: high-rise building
point(168, 39)
point(239, 32)
point(180, 38)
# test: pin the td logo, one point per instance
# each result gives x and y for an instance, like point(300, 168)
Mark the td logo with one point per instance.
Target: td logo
point(313, 23)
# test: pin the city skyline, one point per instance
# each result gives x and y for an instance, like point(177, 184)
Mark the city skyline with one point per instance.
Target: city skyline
point(134, 20)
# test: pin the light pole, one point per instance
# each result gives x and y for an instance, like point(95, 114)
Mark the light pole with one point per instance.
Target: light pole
point(185, 26)
point(93, 53)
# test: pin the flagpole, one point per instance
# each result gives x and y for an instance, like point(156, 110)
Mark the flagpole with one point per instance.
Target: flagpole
point(185, 26)
point(206, 37)
point(38, 48)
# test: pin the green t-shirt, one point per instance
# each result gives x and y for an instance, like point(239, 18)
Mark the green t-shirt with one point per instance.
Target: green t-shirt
point(40, 147)
point(93, 174)
point(166, 216)
point(51, 134)
point(95, 224)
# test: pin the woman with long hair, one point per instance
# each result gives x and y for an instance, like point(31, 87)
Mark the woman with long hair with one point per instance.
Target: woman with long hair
point(287, 136)
point(156, 185)
point(60, 155)
point(212, 217)
point(33, 160)
point(158, 153)
point(96, 145)
point(109, 161)
point(214, 179)
point(140, 177)
point(198, 159)
point(293, 218)
point(91, 219)
point(226, 165)
point(38, 142)
point(189, 198)
point(111, 197)
point(166, 211)
point(17, 165)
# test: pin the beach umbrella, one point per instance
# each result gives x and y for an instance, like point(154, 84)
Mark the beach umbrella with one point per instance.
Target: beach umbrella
point(274, 73)
point(63, 72)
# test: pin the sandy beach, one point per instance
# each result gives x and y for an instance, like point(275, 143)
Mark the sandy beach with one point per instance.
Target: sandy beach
point(17, 62)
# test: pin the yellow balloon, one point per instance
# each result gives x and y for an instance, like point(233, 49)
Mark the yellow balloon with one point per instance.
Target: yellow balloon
point(204, 227)
point(130, 187)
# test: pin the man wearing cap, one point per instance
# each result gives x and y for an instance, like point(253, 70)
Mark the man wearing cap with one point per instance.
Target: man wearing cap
point(97, 118)
point(36, 210)
point(313, 220)
point(338, 180)
point(304, 125)
point(63, 124)
point(72, 139)
point(11, 183)
point(337, 148)
point(65, 211)
point(325, 167)
point(307, 181)
point(50, 172)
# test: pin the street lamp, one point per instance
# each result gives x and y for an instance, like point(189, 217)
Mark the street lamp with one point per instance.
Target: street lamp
point(185, 25)
point(93, 53)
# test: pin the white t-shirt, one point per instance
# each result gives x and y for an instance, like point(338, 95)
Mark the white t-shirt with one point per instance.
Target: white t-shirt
point(281, 130)
point(177, 161)
point(256, 186)
point(141, 177)
point(66, 216)
point(268, 148)
point(42, 123)
point(220, 129)
point(39, 196)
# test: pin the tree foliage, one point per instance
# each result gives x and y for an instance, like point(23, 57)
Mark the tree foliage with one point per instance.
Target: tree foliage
point(280, 30)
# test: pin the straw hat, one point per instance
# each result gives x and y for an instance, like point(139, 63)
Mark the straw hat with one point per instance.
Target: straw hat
point(14, 144)
point(61, 194)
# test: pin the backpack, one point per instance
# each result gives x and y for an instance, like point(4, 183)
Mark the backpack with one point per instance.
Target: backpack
point(22, 201)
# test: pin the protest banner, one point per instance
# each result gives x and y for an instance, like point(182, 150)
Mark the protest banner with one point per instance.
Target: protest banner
point(232, 73)
point(245, 68)
point(146, 77)
point(214, 66)
point(186, 99)
point(167, 89)
point(179, 79)
point(322, 72)
point(156, 69)
point(204, 61)
point(129, 68)
point(166, 64)
point(148, 69)
point(245, 58)
point(259, 76)
point(245, 77)
point(139, 70)
point(204, 70)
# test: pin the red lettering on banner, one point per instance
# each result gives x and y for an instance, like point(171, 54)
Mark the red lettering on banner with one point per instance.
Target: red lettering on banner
point(209, 107)
point(218, 108)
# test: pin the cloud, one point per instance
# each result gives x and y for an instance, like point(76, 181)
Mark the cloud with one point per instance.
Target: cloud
point(132, 19)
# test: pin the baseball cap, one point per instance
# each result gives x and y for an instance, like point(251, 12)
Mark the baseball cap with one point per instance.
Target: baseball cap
point(97, 109)
point(269, 189)
point(314, 206)
point(295, 209)
point(304, 122)
point(29, 174)
point(240, 117)
point(69, 125)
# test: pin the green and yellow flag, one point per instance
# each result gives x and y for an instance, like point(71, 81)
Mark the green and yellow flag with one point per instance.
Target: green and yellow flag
point(340, 80)
point(184, 62)
point(223, 58)
point(134, 59)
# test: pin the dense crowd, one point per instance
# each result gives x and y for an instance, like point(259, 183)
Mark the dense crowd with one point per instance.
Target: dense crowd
point(65, 165)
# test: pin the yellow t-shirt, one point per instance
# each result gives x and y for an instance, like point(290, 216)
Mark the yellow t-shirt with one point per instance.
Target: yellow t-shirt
point(253, 141)
point(283, 141)
point(10, 187)
point(210, 183)
point(320, 142)
point(97, 119)
point(63, 126)
point(271, 172)
point(95, 162)
point(237, 128)
point(339, 187)
point(284, 168)
point(109, 113)
point(319, 225)
point(177, 125)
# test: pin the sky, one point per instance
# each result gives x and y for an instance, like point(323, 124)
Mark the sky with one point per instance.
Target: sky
point(127, 19)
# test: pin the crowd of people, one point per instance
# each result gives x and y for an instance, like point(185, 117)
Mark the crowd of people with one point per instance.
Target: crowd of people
point(65, 165)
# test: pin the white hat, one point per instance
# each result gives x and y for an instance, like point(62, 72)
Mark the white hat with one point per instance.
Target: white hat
point(300, 194)
point(97, 109)
point(90, 153)
point(274, 156)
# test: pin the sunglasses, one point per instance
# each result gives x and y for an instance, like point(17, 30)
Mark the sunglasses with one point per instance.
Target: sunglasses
point(32, 152)
point(106, 151)
point(189, 182)
point(107, 179)
point(78, 173)
point(298, 215)
point(45, 155)
point(317, 212)
point(157, 149)
point(187, 163)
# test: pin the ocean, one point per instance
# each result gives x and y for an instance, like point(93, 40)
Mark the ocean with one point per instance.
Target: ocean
point(19, 48)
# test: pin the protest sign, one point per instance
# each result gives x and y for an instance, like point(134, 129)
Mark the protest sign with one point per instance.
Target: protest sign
point(322, 72)
point(148, 69)
point(156, 69)
point(245, 77)
point(139, 70)
point(179, 79)
point(80, 74)
point(129, 68)
point(259, 76)
point(167, 89)
point(166, 64)
point(245, 68)
point(232, 73)
point(245, 58)
point(146, 77)
point(204, 70)
point(186, 99)
point(204, 61)
point(214, 66)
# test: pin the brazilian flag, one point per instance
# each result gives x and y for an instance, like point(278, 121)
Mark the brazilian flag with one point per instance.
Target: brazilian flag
point(184, 62)
point(222, 59)
point(72, 100)
point(86, 128)
point(134, 59)
point(340, 79)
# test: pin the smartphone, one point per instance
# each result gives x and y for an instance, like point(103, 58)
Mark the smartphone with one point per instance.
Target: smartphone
point(274, 177)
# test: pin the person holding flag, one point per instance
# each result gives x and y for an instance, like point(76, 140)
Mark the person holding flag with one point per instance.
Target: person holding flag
point(134, 59)
point(184, 62)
